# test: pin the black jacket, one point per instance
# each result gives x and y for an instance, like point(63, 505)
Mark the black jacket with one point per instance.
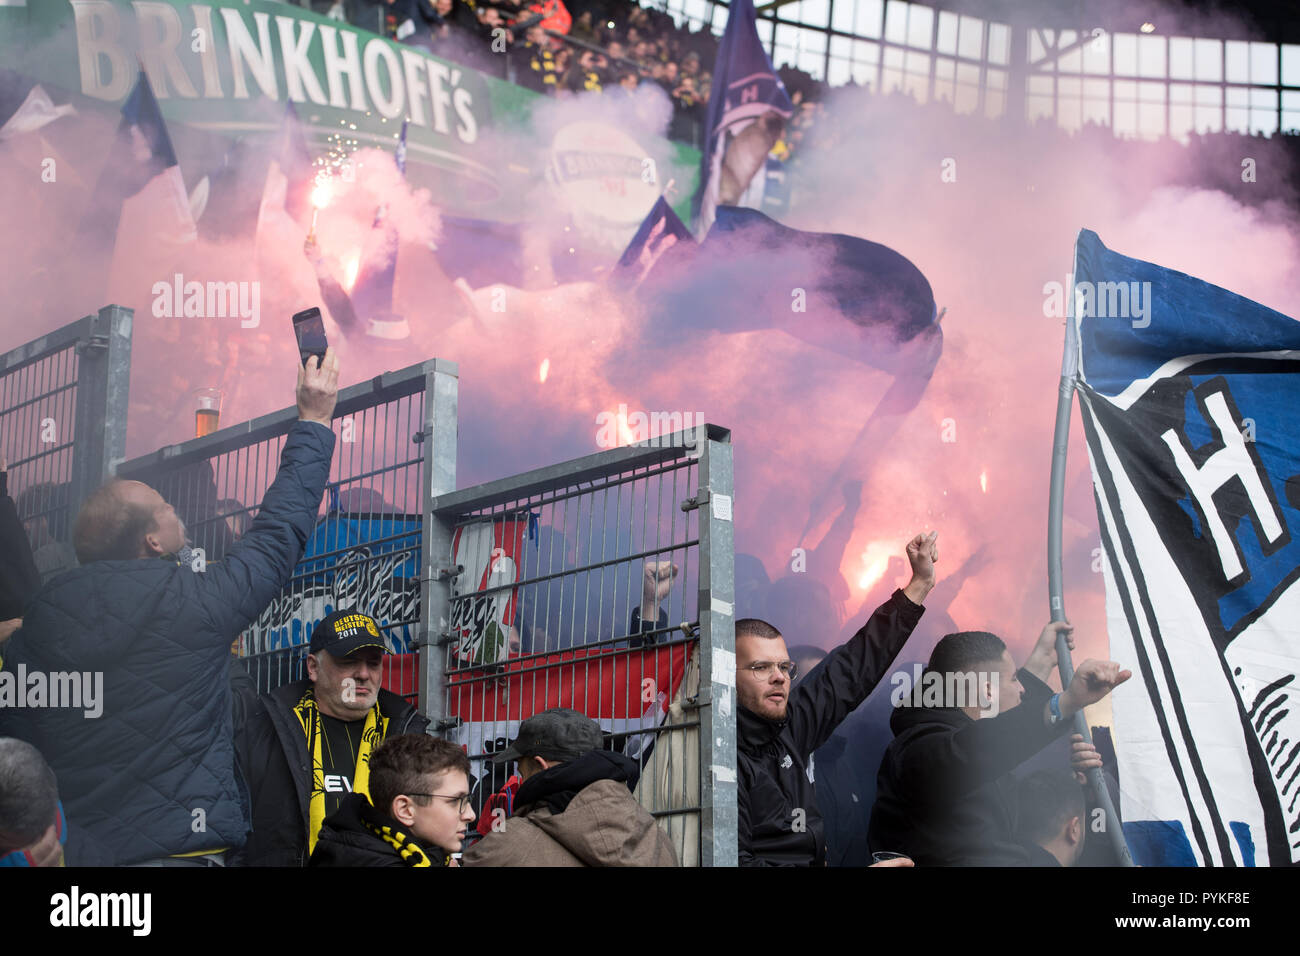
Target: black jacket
point(273, 755)
point(356, 834)
point(945, 794)
point(779, 823)
point(159, 632)
point(19, 579)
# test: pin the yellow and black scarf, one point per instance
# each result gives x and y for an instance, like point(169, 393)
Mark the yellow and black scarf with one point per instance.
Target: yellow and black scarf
point(407, 849)
point(372, 735)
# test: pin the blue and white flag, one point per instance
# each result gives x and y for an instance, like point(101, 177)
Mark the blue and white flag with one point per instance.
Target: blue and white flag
point(1190, 399)
point(747, 112)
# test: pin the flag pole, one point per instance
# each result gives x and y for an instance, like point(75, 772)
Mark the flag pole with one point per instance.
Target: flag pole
point(1114, 827)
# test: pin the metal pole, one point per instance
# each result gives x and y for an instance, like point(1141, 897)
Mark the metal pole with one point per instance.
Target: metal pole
point(1055, 583)
point(718, 793)
point(103, 391)
point(438, 434)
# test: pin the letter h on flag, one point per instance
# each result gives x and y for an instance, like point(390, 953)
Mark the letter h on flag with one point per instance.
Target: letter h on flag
point(747, 111)
point(1192, 420)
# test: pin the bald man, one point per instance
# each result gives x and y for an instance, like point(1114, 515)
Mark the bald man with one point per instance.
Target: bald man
point(143, 751)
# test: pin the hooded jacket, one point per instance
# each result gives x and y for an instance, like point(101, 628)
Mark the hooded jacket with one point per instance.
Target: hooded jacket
point(356, 834)
point(579, 813)
point(779, 823)
point(157, 633)
point(274, 758)
point(945, 794)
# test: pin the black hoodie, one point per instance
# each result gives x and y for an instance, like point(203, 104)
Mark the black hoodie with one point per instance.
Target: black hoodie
point(945, 794)
point(779, 823)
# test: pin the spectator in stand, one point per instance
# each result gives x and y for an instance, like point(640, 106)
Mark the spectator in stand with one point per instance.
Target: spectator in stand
point(628, 81)
point(535, 62)
point(161, 757)
point(417, 812)
point(945, 794)
point(575, 805)
point(19, 577)
point(582, 28)
point(1050, 821)
point(778, 728)
point(306, 745)
point(33, 828)
point(582, 76)
point(47, 505)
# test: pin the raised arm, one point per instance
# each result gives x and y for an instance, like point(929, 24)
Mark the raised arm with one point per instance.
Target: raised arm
point(850, 672)
point(235, 591)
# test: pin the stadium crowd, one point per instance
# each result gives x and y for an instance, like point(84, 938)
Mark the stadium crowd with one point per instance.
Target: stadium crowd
point(565, 47)
point(130, 735)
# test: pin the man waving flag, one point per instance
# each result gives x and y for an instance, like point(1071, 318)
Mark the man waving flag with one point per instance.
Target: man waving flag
point(747, 113)
point(1190, 401)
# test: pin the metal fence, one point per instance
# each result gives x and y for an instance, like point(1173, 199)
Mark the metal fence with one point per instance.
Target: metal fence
point(547, 596)
point(396, 448)
point(63, 400)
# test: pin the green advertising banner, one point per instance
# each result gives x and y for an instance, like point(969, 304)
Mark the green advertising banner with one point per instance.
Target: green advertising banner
point(228, 68)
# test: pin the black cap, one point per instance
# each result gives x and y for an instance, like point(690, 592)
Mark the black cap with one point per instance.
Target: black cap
point(556, 734)
point(344, 632)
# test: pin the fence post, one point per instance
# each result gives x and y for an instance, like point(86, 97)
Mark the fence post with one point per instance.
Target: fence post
point(439, 433)
point(717, 596)
point(103, 392)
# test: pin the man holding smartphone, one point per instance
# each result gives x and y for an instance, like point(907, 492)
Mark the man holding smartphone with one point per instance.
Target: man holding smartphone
point(152, 777)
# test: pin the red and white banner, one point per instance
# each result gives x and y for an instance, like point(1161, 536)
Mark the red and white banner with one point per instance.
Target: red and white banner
point(489, 552)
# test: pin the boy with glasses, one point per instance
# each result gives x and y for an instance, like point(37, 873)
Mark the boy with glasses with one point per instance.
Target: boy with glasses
point(778, 726)
point(417, 813)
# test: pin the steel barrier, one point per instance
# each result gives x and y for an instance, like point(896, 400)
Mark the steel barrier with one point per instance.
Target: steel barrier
point(63, 401)
point(396, 448)
point(546, 596)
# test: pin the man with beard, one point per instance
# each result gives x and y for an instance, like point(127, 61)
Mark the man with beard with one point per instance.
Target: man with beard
point(778, 728)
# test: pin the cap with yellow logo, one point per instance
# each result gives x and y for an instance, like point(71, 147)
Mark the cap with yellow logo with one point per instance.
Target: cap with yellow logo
point(344, 632)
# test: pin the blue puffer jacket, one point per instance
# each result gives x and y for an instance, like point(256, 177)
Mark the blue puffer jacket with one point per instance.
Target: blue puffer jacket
point(136, 777)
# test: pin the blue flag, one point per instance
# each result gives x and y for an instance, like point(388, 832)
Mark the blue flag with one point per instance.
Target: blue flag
point(852, 296)
point(1190, 401)
point(660, 232)
point(747, 112)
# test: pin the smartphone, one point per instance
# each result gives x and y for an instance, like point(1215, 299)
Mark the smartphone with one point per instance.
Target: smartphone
point(310, 329)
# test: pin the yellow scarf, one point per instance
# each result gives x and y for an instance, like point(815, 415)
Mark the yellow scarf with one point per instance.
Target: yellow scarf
point(373, 733)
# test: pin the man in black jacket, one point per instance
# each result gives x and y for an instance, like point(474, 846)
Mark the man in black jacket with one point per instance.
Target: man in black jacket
point(778, 728)
point(151, 776)
point(305, 746)
point(421, 809)
point(945, 794)
point(19, 578)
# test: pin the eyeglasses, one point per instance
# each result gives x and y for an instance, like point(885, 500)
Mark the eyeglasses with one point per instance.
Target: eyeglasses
point(763, 669)
point(462, 799)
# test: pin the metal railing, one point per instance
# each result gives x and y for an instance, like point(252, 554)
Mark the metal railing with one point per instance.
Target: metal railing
point(395, 449)
point(63, 400)
point(545, 594)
